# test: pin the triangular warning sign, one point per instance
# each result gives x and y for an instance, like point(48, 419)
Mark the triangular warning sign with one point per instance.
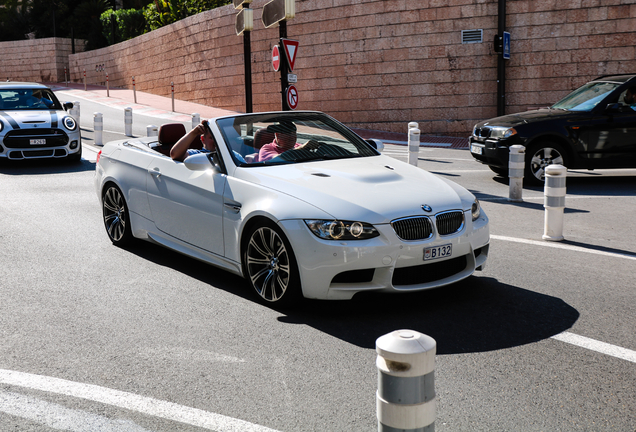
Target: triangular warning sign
point(291, 49)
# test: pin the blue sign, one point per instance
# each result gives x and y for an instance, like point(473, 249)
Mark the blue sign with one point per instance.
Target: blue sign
point(506, 45)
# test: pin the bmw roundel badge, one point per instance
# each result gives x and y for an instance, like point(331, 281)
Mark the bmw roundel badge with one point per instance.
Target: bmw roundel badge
point(427, 208)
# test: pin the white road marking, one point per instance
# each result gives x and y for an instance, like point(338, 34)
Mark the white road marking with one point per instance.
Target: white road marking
point(564, 246)
point(130, 401)
point(598, 346)
point(59, 417)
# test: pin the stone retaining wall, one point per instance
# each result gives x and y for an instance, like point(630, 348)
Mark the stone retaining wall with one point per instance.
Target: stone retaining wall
point(39, 60)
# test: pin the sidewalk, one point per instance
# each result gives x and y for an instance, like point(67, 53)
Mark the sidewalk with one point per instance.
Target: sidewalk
point(161, 106)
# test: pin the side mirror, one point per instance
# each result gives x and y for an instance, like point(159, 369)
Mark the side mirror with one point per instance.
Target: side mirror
point(198, 162)
point(376, 144)
point(68, 106)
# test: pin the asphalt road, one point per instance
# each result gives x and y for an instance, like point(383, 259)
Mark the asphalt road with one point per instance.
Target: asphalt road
point(95, 337)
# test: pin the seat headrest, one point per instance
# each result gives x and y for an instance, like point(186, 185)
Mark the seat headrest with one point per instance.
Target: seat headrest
point(170, 133)
point(262, 137)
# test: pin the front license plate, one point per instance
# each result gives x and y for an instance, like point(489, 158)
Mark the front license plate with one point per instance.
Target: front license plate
point(37, 141)
point(476, 149)
point(438, 252)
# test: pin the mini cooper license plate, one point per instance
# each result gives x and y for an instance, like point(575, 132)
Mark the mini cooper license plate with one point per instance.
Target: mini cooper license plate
point(40, 141)
point(476, 149)
point(438, 252)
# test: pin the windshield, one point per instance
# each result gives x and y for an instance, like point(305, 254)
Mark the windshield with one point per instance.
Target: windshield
point(28, 99)
point(279, 138)
point(587, 97)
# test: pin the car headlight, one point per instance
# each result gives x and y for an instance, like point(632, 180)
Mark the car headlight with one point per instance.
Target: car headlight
point(501, 132)
point(342, 230)
point(475, 210)
point(1, 126)
point(69, 123)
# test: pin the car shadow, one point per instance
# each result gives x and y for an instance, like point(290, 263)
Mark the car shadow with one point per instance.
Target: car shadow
point(475, 315)
point(44, 166)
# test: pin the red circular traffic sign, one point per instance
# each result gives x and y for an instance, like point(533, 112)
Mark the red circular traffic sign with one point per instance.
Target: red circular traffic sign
point(276, 58)
point(292, 97)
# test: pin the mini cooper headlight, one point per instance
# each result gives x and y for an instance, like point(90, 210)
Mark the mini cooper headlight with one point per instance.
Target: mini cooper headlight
point(501, 132)
point(342, 230)
point(476, 210)
point(1, 126)
point(69, 123)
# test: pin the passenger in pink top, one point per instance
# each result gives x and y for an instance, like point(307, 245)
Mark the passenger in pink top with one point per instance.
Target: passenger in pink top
point(284, 139)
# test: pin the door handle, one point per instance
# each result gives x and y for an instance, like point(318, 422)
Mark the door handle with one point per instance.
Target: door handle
point(155, 172)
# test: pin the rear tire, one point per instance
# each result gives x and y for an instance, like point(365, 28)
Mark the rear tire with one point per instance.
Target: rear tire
point(116, 216)
point(270, 266)
point(538, 157)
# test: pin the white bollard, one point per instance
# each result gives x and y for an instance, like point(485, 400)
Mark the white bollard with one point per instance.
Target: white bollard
point(128, 121)
point(516, 165)
point(152, 131)
point(98, 127)
point(406, 381)
point(75, 111)
point(554, 203)
point(414, 145)
point(413, 125)
point(196, 119)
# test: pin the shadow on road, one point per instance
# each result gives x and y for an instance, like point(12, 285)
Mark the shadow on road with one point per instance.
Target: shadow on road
point(44, 167)
point(478, 314)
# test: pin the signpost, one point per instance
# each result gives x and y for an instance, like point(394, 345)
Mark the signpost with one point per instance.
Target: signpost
point(244, 25)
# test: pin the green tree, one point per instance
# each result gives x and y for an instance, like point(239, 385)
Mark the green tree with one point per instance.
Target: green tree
point(128, 23)
point(163, 12)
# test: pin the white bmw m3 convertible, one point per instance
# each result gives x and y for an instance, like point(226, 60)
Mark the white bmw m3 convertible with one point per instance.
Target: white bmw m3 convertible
point(296, 203)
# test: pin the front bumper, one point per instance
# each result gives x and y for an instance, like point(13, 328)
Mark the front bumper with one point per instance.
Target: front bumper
point(340, 269)
point(54, 148)
point(491, 152)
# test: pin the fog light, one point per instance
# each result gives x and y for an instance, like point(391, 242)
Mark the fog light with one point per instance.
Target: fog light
point(73, 144)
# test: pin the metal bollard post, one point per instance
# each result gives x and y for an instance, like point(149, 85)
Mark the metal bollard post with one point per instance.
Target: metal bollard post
point(75, 111)
point(84, 79)
point(172, 87)
point(516, 164)
point(134, 90)
point(196, 119)
point(65, 78)
point(152, 131)
point(107, 86)
point(406, 382)
point(554, 203)
point(128, 121)
point(98, 127)
point(414, 145)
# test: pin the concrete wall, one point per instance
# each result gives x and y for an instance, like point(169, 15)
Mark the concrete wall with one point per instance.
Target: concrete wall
point(39, 60)
point(378, 64)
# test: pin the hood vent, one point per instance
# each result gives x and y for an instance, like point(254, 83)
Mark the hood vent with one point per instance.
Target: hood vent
point(320, 175)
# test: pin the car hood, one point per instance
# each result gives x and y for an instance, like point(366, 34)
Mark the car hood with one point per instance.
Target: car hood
point(529, 117)
point(371, 189)
point(32, 119)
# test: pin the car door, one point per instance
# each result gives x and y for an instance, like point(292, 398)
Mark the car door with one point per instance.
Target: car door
point(612, 139)
point(187, 204)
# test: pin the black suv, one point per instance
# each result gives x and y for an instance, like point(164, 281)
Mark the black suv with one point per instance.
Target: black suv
point(592, 127)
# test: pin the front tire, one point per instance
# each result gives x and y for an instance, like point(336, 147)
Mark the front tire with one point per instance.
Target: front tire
point(539, 157)
point(270, 265)
point(116, 216)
